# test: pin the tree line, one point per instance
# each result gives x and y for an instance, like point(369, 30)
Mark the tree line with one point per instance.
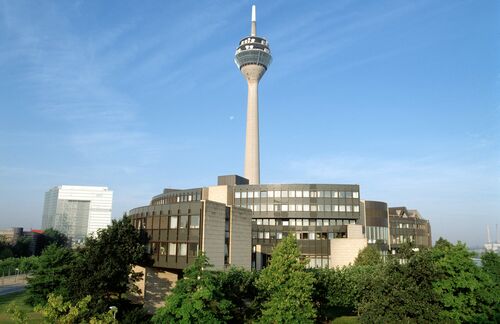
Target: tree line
point(94, 284)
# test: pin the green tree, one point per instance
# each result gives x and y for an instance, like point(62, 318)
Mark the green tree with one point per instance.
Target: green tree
point(51, 236)
point(287, 286)
point(195, 298)
point(104, 267)
point(238, 286)
point(491, 265)
point(56, 310)
point(17, 315)
point(466, 293)
point(369, 256)
point(402, 292)
point(51, 274)
point(22, 247)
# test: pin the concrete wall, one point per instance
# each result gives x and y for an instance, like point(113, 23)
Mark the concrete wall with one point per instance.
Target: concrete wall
point(214, 232)
point(219, 194)
point(240, 253)
point(343, 251)
point(155, 285)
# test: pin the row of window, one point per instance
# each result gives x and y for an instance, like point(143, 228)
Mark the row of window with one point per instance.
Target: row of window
point(174, 222)
point(302, 222)
point(174, 249)
point(300, 207)
point(377, 233)
point(296, 194)
point(409, 225)
point(183, 197)
point(299, 235)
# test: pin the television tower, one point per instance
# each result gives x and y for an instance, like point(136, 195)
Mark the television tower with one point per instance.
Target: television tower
point(252, 57)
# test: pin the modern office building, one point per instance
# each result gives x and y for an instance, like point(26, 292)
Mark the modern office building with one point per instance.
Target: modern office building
point(408, 226)
point(77, 211)
point(239, 221)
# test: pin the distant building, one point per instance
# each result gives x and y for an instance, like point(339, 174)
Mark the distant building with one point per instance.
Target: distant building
point(408, 226)
point(77, 211)
point(11, 234)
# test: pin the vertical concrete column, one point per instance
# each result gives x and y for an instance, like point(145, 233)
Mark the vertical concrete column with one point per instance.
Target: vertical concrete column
point(252, 157)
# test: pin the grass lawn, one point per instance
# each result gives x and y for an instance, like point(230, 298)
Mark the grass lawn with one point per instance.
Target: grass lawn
point(18, 299)
point(346, 320)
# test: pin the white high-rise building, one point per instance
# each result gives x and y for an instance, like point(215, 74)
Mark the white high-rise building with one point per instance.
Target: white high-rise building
point(77, 211)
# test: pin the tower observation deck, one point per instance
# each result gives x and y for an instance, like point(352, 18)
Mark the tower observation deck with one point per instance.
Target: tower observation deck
point(252, 58)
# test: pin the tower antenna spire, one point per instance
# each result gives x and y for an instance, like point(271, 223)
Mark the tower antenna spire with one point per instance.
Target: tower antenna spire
point(254, 21)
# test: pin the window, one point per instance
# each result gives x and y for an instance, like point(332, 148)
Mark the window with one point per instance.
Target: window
point(327, 193)
point(270, 193)
point(306, 193)
point(314, 208)
point(172, 249)
point(263, 194)
point(326, 222)
point(355, 194)
point(263, 207)
point(256, 194)
point(311, 235)
point(328, 208)
point(182, 249)
point(277, 194)
point(259, 221)
point(342, 208)
point(348, 194)
point(250, 194)
point(335, 208)
point(348, 208)
point(183, 222)
point(285, 222)
point(356, 209)
point(299, 207)
point(284, 208)
point(299, 194)
point(265, 221)
point(193, 249)
point(291, 207)
point(291, 194)
point(312, 222)
point(256, 208)
point(260, 235)
point(306, 207)
point(163, 249)
point(173, 222)
point(304, 236)
point(342, 194)
point(335, 194)
point(243, 194)
point(195, 222)
point(279, 235)
point(298, 222)
point(272, 222)
point(277, 207)
point(314, 194)
point(284, 194)
point(305, 222)
point(266, 235)
point(321, 208)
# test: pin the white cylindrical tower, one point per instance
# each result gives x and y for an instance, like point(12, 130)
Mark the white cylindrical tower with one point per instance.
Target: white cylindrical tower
point(253, 56)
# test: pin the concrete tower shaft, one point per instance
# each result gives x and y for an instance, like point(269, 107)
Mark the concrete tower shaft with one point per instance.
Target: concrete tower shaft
point(252, 57)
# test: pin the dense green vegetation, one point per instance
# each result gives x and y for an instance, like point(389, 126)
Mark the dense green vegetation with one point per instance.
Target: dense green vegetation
point(16, 302)
point(92, 284)
point(81, 285)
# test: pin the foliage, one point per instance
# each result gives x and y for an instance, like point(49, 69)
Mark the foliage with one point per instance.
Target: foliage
point(56, 310)
point(466, 292)
point(339, 291)
point(18, 315)
point(491, 265)
point(23, 264)
point(195, 298)
point(287, 286)
point(238, 286)
point(369, 256)
point(51, 274)
point(49, 237)
point(103, 268)
point(22, 247)
point(401, 292)
point(17, 300)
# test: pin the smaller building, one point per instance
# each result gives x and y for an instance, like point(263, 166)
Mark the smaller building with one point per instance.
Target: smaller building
point(408, 226)
point(77, 211)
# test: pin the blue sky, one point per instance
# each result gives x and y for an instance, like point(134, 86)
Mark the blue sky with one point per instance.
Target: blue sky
point(401, 97)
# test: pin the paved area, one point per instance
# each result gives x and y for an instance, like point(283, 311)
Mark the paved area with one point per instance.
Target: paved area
point(12, 284)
